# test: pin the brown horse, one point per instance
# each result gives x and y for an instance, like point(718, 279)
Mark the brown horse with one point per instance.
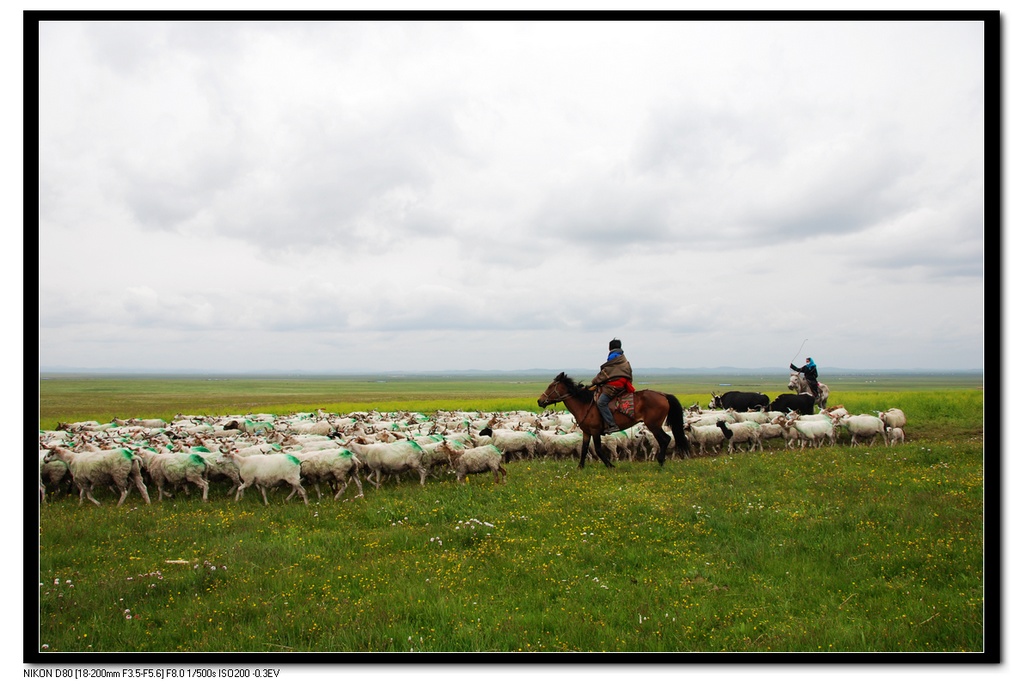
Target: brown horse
point(652, 408)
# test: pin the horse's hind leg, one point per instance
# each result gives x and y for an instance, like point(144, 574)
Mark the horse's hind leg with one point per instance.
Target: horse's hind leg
point(662, 443)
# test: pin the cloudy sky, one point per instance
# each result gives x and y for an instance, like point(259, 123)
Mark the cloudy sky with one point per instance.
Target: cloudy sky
point(245, 196)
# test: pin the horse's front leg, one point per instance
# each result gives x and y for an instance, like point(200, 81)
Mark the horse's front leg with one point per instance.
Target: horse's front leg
point(600, 452)
point(586, 447)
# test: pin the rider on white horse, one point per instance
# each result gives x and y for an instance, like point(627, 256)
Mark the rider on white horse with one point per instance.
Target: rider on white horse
point(809, 372)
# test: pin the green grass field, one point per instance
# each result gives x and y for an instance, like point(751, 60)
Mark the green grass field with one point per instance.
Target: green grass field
point(837, 550)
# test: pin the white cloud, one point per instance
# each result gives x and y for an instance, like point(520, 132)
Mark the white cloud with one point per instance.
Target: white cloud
point(455, 195)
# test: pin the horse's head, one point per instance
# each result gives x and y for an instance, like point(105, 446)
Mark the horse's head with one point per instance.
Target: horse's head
point(555, 392)
point(561, 388)
point(794, 381)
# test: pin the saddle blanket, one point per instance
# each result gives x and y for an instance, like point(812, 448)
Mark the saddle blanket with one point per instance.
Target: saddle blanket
point(625, 403)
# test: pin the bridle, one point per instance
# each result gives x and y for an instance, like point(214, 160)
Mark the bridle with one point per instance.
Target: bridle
point(548, 400)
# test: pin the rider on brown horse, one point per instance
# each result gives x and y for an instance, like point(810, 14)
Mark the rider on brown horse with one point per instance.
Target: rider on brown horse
point(615, 377)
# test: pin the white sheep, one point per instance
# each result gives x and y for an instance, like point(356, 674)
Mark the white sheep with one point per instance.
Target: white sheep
point(53, 474)
point(641, 445)
point(862, 426)
point(836, 412)
point(310, 427)
point(511, 442)
point(268, 470)
point(176, 469)
point(711, 417)
point(476, 460)
point(329, 466)
point(706, 436)
point(893, 417)
point(754, 416)
point(154, 423)
point(254, 449)
point(737, 434)
point(218, 466)
point(771, 430)
point(821, 417)
point(895, 436)
point(790, 433)
point(556, 445)
point(434, 458)
point(391, 457)
point(118, 467)
point(813, 431)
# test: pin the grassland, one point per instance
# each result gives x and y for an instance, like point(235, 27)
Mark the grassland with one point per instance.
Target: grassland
point(834, 550)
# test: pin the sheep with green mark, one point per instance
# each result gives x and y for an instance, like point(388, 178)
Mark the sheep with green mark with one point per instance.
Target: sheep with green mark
point(707, 437)
point(737, 434)
point(385, 458)
point(560, 445)
point(337, 466)
point(170, 469)
point(120, 468)
point(520, 443)
point(53, 474)
point(813, 429)
point(219, 467)
point(476, 460)
point(268, 470)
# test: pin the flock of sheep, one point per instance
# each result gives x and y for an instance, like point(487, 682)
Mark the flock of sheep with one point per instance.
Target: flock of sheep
point(322, 449)
point(711, 430)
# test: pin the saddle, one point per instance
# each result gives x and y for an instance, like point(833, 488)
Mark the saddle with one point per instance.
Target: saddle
point(624, 403)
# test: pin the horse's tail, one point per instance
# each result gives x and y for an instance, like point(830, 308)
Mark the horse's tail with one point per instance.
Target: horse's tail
point(676, 421)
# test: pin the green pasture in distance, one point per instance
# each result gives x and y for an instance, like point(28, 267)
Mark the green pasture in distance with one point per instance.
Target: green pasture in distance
point(71, 397)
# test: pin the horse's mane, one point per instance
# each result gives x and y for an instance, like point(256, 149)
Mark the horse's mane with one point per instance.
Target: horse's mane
point(574, 388)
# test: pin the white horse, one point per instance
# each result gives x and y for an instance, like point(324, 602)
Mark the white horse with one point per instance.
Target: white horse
point(798, 383)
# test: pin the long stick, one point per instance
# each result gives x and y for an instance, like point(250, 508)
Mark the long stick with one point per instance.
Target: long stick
point(798, 350)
